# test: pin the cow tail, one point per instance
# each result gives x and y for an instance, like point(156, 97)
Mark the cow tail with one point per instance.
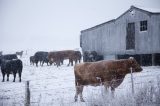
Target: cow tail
point(76, 82)
point(76, 77)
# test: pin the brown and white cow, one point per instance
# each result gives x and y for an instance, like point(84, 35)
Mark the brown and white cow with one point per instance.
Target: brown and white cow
point(108, 73)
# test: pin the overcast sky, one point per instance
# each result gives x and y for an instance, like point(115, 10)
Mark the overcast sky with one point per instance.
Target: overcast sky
point(56, 24)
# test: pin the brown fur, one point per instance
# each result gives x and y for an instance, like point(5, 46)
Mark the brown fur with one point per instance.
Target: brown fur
point(59, 56)
point(75, 56)
point(55, 57)
point(109, 73)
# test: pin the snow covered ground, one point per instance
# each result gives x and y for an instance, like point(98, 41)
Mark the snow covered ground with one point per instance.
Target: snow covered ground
point(52, 86)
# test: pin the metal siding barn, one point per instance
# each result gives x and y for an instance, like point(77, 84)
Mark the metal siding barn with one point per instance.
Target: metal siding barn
point(135, 33)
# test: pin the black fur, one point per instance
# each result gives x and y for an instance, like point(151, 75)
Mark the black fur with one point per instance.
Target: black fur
point(41, 57)
point(11, 67)
point(32, 60)
point(9, 56)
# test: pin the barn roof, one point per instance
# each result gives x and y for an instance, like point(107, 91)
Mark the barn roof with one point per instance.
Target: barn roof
point(98, 25)
point(143, 9)
point(151, 10)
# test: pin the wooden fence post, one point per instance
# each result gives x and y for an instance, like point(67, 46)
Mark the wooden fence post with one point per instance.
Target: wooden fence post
point(27, 94)
point(132, 80)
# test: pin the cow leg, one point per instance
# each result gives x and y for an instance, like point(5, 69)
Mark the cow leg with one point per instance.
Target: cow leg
point(3, 76)
point(106, 85)
point(36, 63)
point(19, 76)
point(14, 75)
point(50, 63)
point(7, 76)
point(58, 63)
point(72, 63)
point(42, 63)
point(76, 95)
point(80, 92)
point(112, 91)
point(47, 64)
point(62, 61)
point(75, 61)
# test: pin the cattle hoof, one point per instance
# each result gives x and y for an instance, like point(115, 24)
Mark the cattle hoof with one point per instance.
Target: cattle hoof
point(13, 80)
point(75, 100)
point(2, 80)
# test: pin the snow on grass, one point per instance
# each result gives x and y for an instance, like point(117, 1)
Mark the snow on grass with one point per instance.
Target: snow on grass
point(54, 86)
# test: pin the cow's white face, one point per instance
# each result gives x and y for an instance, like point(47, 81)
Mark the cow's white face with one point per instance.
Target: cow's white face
point(135, 66)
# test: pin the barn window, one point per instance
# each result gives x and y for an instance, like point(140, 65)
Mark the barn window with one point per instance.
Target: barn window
point(143, 25)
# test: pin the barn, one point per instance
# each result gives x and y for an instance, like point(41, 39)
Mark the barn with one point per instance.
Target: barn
point(135, 33)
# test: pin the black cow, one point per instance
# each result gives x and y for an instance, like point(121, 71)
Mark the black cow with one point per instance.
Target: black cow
point(32, 60)
point(45, 60)
point(11, 67)
point(91, 56)
point(9, 57)
point(41, 57)
point(87, 57)
point(99, 58)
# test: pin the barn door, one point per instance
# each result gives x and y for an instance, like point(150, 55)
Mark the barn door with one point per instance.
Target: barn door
point(130, 38)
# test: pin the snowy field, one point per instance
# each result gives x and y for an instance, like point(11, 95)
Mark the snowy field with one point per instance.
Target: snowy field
point(52, 86)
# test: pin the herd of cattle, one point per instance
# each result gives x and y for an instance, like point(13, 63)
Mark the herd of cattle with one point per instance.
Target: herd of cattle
point(93, 71)
point(56, 57)
point(10, 64)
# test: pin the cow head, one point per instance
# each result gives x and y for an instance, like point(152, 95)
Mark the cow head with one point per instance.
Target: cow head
point(135, 66)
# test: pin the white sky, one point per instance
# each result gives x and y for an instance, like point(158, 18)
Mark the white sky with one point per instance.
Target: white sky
point(56, 24)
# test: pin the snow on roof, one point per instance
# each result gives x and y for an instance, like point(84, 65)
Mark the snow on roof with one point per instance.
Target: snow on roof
point(149, 9)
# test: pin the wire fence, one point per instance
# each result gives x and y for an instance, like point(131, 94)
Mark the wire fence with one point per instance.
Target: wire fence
point(64, 92)
point(129, 82)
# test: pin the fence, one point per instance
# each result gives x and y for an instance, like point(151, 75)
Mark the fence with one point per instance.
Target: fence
point(65, 96)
